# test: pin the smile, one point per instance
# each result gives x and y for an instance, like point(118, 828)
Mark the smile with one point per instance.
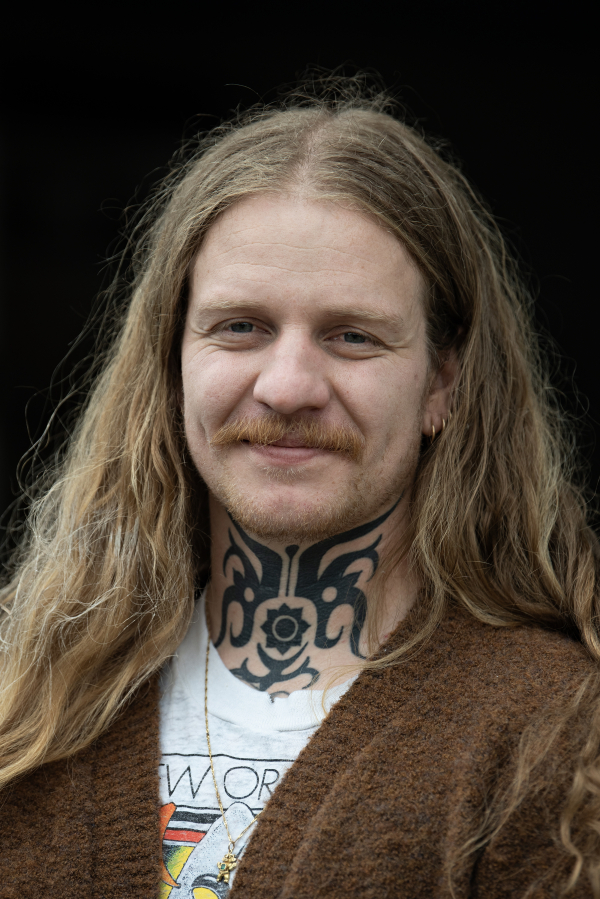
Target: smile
point(284, 452)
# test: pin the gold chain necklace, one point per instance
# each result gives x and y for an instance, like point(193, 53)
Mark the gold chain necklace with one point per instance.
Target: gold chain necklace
point(229, 861)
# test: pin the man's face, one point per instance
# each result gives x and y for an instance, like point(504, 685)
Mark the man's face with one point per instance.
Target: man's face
point(303, 311)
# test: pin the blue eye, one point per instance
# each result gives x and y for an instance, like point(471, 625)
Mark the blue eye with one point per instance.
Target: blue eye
point(242, 327)
point(353, 337)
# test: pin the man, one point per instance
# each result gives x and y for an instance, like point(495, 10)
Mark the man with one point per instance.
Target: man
point(322, 439)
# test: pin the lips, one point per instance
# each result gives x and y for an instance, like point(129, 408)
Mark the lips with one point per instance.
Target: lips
point(285, 442)
point(287, 451)
point(292, 442)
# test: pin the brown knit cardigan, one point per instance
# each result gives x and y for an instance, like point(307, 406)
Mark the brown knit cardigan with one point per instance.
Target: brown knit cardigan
point(374, 806)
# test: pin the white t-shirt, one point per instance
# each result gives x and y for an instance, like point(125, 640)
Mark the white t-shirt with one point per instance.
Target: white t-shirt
point(254, 740)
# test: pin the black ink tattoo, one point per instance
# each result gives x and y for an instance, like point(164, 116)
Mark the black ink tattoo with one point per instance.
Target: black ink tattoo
point(247, 589)
point(327, 590)
point(276, 669)
point(284, 627)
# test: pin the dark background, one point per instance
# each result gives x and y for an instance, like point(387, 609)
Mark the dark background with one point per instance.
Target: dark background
point(92, 111)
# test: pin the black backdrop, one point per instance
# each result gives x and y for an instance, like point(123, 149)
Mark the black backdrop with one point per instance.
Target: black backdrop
point(93, 110)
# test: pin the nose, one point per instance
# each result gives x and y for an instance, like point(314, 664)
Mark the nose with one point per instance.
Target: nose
point(293, 376)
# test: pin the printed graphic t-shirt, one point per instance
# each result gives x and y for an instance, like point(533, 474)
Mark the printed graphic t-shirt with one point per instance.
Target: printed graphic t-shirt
point(254, 740)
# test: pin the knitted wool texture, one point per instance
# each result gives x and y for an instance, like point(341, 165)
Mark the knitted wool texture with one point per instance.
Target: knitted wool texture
point(374, 806)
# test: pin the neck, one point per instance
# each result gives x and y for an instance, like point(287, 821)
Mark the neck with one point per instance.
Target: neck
point(286, 617)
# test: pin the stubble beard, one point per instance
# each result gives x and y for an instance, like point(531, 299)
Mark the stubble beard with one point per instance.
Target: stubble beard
point(360, 494)
point(357, 501)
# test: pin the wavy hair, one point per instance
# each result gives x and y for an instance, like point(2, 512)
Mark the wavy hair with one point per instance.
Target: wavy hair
point(103, 584)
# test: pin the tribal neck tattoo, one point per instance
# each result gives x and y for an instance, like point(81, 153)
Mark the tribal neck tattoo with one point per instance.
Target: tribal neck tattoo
point(281, 619)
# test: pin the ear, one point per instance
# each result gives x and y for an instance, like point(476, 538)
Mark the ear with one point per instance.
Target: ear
point(438, 404)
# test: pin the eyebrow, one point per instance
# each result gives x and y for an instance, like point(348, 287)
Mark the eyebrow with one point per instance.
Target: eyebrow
point(366, 314)
point(227, 305)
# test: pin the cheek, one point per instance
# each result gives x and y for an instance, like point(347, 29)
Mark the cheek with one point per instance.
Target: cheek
point(213, 385)
point(388, 406)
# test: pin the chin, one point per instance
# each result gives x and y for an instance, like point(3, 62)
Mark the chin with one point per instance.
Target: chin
point(285, 521)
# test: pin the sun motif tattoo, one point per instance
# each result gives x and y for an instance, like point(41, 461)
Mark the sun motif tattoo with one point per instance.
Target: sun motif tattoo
point(326, 586)
point(284, 628)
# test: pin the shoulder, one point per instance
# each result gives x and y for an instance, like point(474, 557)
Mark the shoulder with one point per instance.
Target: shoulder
point(527, 653)
point(470, 670)
point(103, 800)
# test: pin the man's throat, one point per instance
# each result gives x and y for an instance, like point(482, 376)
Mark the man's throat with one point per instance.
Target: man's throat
point(294, 619)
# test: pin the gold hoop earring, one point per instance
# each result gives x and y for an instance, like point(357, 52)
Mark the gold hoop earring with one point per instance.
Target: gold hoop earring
point(443, 425)
point(432, 438)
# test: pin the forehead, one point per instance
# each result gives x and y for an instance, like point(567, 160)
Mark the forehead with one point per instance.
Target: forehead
point(318, 250)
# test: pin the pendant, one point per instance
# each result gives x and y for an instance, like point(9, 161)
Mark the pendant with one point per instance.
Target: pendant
point(226, 866)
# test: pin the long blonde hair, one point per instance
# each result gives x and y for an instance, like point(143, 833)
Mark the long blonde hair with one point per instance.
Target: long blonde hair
point(103, 583)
